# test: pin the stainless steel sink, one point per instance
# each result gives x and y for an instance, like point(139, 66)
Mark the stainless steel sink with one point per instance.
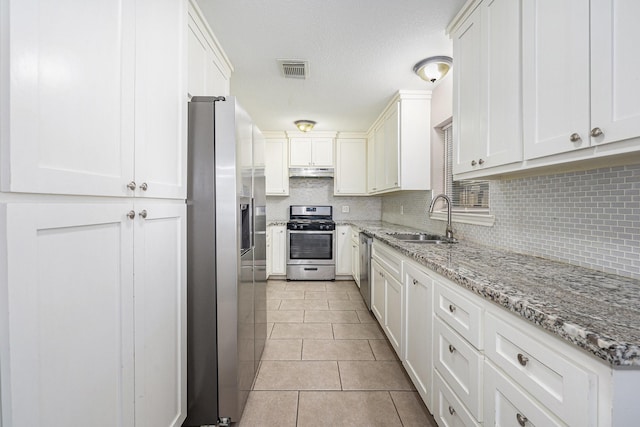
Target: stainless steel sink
point(421, 238)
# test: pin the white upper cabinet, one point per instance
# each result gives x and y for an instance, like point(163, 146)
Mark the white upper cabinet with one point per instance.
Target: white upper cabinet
point(399, 157)
point(351, 167)
point(305, 152)
point(276, 170)
point(161, 98)
point(615, 67)
point(556, 76)
point(209, 68)
point(488, 114)
point(543, 83)
point(68, 97)
point(92, 105)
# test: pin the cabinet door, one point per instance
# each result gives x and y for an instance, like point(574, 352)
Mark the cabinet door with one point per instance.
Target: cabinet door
point(69, 97)
point(555, 76)
point(343, 257)
point(378, 296)
point(615, 67)
point(68, 315)
point(160, 314)
point(380, 164)
point(299, 152)
point(393, 317)
point(322, 152)
point(161, 98)
point(351, 167)
point(467, 95)
point(355, 260)
point(392, 147)
point(371, 162)
point(276, 169)
point(278, 250)
point(503, 76)
point(418, 360)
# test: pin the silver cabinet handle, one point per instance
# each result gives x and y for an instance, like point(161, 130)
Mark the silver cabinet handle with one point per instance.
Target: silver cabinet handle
point(452, 308)
point(473, 162)
point(596, 132)
point(144, 186)
point(132, 185)
point(451, 348)
point(574, 137)
point(451, 410)
point(480, 162)
point(143, 214)
point(522, 420)
point(131, 214)
point(415, 282)
point(522, 359)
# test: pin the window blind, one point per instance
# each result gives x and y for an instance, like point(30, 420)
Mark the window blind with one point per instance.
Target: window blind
point(466, 195)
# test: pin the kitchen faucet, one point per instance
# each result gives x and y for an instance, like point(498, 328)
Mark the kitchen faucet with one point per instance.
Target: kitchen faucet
point(449, 231)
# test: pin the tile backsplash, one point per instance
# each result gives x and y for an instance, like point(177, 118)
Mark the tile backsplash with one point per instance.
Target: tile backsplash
point(319, 191)
point(588, 218)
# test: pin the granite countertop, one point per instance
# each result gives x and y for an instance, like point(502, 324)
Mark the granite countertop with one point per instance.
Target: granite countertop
point(596, 311)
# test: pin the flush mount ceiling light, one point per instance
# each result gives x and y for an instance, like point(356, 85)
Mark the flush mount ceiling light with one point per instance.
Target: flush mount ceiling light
point(304, 125)
point(434, 68)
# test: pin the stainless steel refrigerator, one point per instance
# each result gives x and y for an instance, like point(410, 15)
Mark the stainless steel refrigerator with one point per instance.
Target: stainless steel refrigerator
point(226, 260)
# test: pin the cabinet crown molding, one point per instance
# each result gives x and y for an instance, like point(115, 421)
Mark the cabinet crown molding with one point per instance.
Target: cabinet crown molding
point(461, 16)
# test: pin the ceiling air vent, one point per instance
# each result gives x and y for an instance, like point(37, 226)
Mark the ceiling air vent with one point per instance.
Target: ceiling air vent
point(294, 68)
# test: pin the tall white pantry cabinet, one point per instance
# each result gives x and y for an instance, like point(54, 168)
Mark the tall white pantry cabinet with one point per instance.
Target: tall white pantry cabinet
point(92, 213)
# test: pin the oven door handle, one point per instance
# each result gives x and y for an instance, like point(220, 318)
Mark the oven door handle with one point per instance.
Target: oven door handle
point(311, 231)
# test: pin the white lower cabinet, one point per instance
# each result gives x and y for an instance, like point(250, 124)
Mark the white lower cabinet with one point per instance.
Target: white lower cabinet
point(89, 320)
point(507, 405)
point(343, 250)
point(378, 292)
point(448, 409)
point(393, 317)
point(355, 256)
point(460, 365)
point(418, 332)
point(277, 255)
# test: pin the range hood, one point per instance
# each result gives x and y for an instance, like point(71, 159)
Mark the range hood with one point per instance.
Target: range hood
point(310, 172)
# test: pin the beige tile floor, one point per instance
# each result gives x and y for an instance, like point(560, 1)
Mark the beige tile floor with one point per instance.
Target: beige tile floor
point(328, 363)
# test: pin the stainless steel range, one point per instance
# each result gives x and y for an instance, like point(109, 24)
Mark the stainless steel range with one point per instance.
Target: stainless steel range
point(311, 243)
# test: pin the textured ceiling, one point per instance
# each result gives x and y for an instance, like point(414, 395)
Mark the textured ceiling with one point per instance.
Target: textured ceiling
point(360, 52)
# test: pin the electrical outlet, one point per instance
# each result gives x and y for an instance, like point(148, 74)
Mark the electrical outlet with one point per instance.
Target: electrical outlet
point(401, 209)
point(345, 209)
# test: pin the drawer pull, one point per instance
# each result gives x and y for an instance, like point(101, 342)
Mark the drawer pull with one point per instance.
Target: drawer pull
point(453, 411)
point(523, 360)
point(522, 420)
point(415, 282)
point(452, 308)
point(451, 348)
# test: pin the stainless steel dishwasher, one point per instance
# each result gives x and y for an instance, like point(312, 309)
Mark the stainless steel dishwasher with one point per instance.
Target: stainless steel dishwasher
point(365, 268)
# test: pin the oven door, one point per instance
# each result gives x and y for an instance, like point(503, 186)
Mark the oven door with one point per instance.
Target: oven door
point(310, 247)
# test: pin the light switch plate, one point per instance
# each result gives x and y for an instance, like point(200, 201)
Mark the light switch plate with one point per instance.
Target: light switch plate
point(345, 209)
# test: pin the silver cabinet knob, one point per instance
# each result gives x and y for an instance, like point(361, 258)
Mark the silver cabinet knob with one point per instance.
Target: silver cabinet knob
point(480, 162)
point(131, 214)
point(415, 282)
point(451, 348)
point(522, 420)
point(452, 308)
point(132, 185)
point(144, 186)
point(522, 359)
point(143, 214)
point(473, 162)
point(574, 137)
point(596, 132)
point(451, 410)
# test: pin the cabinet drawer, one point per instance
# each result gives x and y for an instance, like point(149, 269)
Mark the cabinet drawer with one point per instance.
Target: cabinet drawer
point(448, 410)
point(464, 316)
point(565, 388)
point(460, 365)
point(388, 260)
point(508, 405)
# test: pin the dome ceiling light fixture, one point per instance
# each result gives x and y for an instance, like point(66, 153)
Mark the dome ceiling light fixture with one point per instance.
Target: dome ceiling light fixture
point(304, 125)
point(434, 68)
